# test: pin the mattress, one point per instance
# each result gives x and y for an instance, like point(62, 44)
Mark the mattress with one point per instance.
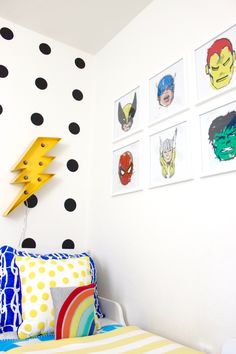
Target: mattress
point(128, 339)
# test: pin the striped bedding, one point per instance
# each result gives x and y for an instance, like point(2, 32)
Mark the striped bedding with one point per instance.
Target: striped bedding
point(14, 342)
point(131, 339)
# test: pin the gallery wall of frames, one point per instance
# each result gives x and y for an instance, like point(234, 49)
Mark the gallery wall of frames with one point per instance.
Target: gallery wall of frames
point(167, 151)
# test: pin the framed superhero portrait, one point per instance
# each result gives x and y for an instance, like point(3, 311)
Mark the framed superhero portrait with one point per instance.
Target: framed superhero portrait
point(126, 169)
point(167, 92)
point(170, 160)
point(215, 65)
point(218, 140)
point(126, 115)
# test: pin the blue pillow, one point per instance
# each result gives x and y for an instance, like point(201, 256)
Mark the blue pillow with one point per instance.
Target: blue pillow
point(10, 285)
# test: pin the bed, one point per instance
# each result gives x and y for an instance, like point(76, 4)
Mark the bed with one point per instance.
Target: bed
point(112, 321)
point(123, 340)
point(113, 336)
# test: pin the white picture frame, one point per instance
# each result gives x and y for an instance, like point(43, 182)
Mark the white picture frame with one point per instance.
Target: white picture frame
point(126, 168)
point(218, 140)
point(214, 65)
point(167, 92)
point(170, 155)
point(126, 119)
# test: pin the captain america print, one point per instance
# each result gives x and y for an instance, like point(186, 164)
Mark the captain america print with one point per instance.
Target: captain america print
point(167, 92)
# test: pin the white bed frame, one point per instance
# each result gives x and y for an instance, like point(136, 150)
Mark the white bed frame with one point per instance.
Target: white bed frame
point(112, 311)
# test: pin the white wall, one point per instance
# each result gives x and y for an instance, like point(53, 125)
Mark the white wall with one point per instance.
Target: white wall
point(49, 223)
point(166, 254)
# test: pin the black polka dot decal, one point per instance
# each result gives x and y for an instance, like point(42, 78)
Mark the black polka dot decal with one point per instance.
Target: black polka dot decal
point(70, 204)
point(72, 165)
point(6, 33)
point(3, 71)
point(28, 243)
point(45, 48)
point(68, 244)
point(37, 119)
point(41, 83)
point(80, 63)
point(77, 95)
point(31, 202)
point(1, 109)
point(74, 128)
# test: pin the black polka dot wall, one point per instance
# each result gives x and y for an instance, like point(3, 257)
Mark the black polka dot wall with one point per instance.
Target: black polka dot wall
point(39, 115)
point(77, 95)
point(72, 165)
point(68, 244)
point(70, 204)
point(80, 63)
point(28, 243)
point(3, 71)
point(41, 83)
point(45, 48)
point(31, 202)
point(6, 33)
point(37, 119)
point(74, 128)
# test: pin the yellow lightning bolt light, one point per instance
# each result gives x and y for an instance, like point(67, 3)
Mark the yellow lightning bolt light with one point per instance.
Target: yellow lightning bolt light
point(31, 166)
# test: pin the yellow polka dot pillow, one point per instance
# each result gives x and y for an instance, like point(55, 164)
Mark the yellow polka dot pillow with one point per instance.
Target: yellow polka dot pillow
point(37, 277)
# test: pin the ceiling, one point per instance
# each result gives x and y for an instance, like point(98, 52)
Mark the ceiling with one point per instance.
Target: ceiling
point(85, 24)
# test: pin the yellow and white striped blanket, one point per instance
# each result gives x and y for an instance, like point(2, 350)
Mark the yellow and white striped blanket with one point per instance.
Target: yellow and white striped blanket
point(131, 339)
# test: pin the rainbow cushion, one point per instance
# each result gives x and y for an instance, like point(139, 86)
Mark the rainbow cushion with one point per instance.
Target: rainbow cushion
point(74, 314)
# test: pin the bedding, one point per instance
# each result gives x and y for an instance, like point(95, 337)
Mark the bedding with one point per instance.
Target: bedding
point(129, 339)
point(10, 285)
point(8, 344)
